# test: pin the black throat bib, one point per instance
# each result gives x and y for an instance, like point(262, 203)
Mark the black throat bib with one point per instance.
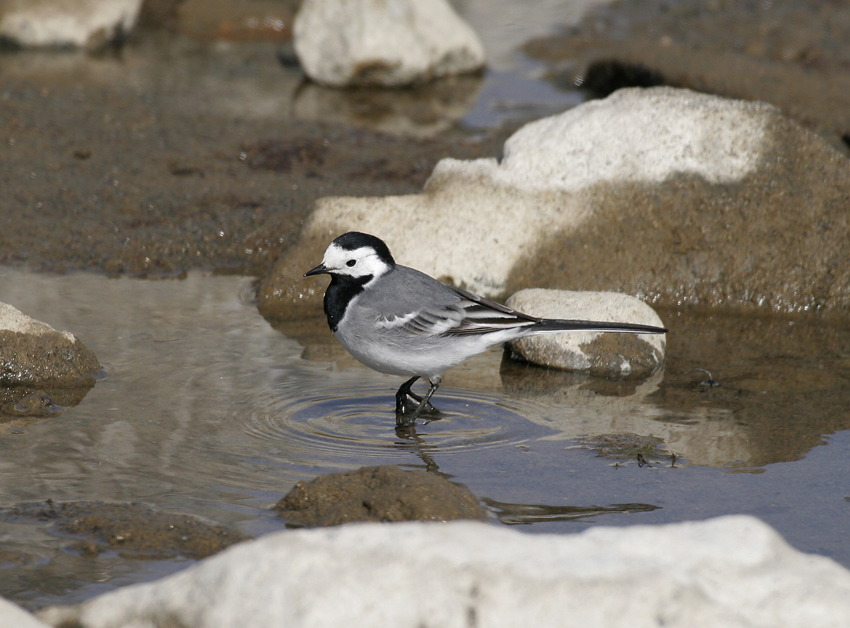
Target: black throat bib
point(339, 294)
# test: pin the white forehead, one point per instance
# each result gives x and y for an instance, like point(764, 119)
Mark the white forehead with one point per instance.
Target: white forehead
point(335, 255)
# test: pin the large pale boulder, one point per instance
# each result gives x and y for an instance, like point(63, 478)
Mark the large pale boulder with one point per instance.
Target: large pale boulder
point(383, 42)
point(13, 616)
point(84, 23)
point(667, 194)
point(732, 571)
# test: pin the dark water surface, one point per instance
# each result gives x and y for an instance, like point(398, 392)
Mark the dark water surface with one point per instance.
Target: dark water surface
point(207, 410)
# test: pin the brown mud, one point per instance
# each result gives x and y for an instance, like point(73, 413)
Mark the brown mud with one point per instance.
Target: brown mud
point(156, 161)
point(132, 530)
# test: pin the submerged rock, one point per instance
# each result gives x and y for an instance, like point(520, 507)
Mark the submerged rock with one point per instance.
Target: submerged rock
point(56, 23)
point(32, 353)
point(132, 530)
point(629, 447)
point(383, 493)
point(667, 194)
point(731, 571)
point(381, 42)
point(602, 354)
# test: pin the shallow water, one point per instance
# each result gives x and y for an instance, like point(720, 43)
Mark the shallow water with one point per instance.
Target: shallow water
point(207, 410)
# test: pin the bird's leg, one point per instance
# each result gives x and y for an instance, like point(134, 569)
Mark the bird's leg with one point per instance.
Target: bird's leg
point(406, 398)
point(423, 403)
point(404, 395)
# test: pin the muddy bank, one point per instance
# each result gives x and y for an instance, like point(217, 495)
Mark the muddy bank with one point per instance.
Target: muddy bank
point(175, 154)
point(133, 530)
point(80, 541)
point(795, 55)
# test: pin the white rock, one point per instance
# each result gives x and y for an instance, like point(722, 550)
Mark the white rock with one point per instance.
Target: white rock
point(67, 22)
point(638, 135)
point(576, 351)
point(32, 353)
point(13, 616)
point(475, 220)
point(12, 319)
point(731, 571)
point(383, 42)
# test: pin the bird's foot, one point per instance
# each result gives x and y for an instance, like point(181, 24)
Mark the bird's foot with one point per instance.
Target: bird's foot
point(407, 408)
point(407, 401)
point(409, 405)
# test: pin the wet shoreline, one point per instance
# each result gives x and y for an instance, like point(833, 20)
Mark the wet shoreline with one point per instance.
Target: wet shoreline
point(208, 411)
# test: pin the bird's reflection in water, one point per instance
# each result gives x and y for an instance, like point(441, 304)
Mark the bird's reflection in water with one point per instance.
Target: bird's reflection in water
point(507, 513)
point(410, 440)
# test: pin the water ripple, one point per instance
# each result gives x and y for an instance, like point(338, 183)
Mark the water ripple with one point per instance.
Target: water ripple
point(359, 422)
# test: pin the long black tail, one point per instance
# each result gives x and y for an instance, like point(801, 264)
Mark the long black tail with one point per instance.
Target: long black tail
point(484, 316)
point(555, 325)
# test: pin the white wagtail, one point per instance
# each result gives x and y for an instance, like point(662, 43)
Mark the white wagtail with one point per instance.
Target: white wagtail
point(400, 321)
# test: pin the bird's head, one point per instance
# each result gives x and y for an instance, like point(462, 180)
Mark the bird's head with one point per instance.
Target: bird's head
point(355, 255)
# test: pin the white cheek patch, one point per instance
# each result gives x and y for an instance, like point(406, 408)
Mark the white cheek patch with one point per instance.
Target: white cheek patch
point(372, 265)
point(367, 262)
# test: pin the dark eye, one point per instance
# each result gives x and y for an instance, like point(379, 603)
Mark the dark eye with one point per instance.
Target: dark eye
point(351, 263)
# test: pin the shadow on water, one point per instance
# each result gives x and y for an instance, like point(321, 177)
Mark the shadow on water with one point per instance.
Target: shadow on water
point(516, 514)
point(207, 410)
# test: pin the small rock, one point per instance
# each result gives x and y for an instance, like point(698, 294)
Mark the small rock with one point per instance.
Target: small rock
point(383, 493)
point(82, 23)
point(625, 447)
point(32, 353)
point(383, 42)
point(731, 571)
point(602, 354)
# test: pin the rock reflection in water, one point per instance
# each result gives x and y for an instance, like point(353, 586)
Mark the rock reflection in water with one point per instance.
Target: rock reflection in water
point(783, 385)
point(23, 405)
point(420, 111)
point(761, 412)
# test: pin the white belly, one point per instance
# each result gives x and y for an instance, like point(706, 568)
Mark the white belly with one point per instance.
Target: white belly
point(402, 356)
